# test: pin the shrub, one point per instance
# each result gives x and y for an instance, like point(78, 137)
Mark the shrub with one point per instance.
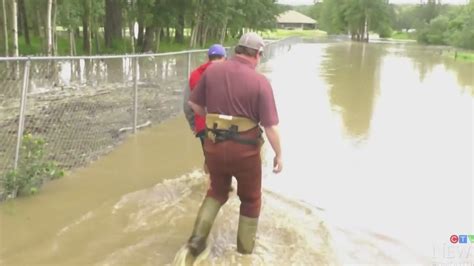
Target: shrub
point(385, 31)
point(32, 171)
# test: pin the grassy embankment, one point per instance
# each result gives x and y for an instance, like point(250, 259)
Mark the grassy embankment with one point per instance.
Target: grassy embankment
point(397, 35)
point(458, 55)
point(282, 33)
point(124, 47)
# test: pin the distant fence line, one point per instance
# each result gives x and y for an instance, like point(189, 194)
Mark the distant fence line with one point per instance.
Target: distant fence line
point(83, 105)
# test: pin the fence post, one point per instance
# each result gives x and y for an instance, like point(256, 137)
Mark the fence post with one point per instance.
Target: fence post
point(21, 120)
point(189, 65)
point(135, 95)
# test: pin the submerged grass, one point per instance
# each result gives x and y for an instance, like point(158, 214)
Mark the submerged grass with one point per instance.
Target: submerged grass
point(467, 56)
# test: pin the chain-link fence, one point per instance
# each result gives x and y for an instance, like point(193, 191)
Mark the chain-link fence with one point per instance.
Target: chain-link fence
point(82, 107)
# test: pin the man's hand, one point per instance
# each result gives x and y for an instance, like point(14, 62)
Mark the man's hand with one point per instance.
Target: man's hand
point(277, 164)
point(273, 137)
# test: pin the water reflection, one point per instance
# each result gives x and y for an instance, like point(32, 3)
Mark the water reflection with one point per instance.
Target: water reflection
point(464, 72)
point(352, 71)
point(114, 70)
point(425, 59)
point(415, 122)
point(76, 73)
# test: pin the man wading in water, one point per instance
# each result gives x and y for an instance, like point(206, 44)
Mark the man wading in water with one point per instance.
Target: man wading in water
point(236, 100)
point(215, 54)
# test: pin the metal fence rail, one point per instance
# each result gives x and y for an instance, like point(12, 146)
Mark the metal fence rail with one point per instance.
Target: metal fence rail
point(84, 106)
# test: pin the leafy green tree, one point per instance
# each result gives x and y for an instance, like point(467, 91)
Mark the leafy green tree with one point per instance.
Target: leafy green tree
point(86, 26)
point(172, 21)
point(405, 17)
point(69, 16)
point(332, 18)
point(463, 28)
point(427, 12)
point(5, 28)
point(452, 25)
point(435, 32)
point(356, 17)
point(23, 20)
point(113, 22)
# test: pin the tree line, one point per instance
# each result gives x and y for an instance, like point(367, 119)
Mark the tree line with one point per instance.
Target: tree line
point(354, 17)
point(435, 23)
point(431, 21)
point(73, 27)
point(107, 26)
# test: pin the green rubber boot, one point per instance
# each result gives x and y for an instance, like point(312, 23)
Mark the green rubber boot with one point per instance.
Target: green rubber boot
point(246, 234)
point(202, 227)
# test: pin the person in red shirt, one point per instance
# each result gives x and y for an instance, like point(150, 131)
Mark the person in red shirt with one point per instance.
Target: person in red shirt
point(237, 101)
point(216, 53)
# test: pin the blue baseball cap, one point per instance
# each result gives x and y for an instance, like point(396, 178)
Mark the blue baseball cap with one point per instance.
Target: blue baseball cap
point(216, 49)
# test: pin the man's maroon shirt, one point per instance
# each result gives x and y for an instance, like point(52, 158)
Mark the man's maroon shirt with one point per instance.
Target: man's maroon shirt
point(234, 88)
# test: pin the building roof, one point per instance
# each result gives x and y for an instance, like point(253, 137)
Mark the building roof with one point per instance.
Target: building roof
point(292, 16)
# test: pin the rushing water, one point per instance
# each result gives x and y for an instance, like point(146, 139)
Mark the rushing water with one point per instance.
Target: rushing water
point(377, 143)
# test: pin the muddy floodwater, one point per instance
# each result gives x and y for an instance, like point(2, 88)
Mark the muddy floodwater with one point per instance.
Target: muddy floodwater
point(377, 141)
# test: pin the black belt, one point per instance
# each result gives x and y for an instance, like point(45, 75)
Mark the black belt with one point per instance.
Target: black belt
point(233, 134)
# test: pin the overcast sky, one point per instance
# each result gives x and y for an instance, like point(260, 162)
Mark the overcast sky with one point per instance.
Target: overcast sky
point(308, 2)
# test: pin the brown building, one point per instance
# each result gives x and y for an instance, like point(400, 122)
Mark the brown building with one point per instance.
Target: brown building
point(295, 20)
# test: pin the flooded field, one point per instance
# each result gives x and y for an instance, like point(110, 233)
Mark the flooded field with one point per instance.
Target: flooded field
point(377, 142)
